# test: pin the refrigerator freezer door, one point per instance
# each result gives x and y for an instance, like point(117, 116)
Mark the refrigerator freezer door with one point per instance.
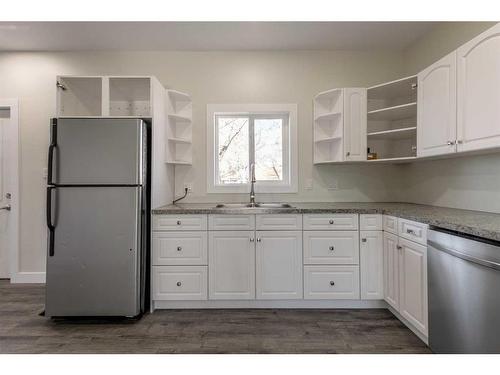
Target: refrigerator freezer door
point(96, 255)
point(98, 151)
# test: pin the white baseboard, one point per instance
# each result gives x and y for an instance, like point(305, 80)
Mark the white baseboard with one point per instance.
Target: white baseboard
point(28, 278)
point(276, 304)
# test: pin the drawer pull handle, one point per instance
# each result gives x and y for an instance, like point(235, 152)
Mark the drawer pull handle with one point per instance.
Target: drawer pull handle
point(331, 248)
point(363, 240)
point(332, 283)
point(178, 222)
point(410, 231)
point(179, 283)
point(179, 248)
point(331, 221)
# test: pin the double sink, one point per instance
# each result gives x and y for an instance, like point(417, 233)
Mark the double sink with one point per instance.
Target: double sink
point(256, 205)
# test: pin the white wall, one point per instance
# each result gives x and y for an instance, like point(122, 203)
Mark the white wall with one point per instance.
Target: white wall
point(469, 182)
point(211, 77)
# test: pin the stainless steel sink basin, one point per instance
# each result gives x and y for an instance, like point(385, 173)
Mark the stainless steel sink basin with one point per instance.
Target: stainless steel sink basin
point(257, 205)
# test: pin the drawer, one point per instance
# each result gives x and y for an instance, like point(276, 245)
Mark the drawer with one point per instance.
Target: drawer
point(326, 247)
point(179, 222)
point(231, 222)
point(331, 282)
point(370, 222)
point(331, 222)
point(391, 224)
point(179, 283)
point(413, 231)
point(179, 248)
point(279, 222)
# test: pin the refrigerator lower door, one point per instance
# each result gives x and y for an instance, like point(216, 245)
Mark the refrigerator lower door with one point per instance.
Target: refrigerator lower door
point(95, 266)
point(97, 152)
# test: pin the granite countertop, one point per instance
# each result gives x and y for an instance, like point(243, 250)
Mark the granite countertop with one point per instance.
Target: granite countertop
point(476, 223)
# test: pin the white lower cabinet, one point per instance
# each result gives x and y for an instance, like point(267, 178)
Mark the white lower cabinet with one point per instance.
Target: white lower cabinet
point(179, 283)
point(413, 284)
point(391, 270)
point(331, 247)
point(231, 261)
point(405, 279)
point(331, 282)
point(371, 264)
point(279, 264)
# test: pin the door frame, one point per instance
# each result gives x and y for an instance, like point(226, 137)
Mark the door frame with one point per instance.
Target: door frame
point(13, 254)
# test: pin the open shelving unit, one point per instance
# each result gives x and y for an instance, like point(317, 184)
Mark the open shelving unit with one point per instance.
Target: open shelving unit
point(328, 126)
point(392, 120)
point(179, 147)
point(104, 96)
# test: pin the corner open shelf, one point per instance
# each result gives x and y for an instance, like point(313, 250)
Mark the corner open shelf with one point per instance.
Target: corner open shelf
point(392, 120)
point(179, 144)
point(328, 126)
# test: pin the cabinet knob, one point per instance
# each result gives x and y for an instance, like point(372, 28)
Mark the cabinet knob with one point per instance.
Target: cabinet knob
point(348, 154)
point(179, 283)
point(331, 221)
point(252, 239)
point(363, 240)
point(331, 248)
point(178, 222)
point(179, 248)
point(410, 231)
point(450, 143)
point(459, 141)
point(399, 247)
point(259, 239)
point(332, 283)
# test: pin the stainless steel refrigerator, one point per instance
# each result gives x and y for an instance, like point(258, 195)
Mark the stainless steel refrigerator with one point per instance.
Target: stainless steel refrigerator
point(97, 217)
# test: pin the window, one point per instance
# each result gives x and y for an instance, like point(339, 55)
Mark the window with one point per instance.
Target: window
point(242, 135)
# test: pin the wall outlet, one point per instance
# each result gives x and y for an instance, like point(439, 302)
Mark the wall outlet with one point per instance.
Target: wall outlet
point(188, 186)
point(333, 185)
point(308, 185)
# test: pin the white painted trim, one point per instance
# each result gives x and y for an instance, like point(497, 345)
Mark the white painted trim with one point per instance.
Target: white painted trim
point(28, 278)
point(13, 104)
point(274, 304)
point(279, 108)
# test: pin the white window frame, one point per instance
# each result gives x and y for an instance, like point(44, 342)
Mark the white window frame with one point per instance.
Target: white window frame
point(289, 185)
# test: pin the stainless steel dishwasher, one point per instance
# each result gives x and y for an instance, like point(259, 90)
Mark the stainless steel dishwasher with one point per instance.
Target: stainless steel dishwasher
point(464, 293)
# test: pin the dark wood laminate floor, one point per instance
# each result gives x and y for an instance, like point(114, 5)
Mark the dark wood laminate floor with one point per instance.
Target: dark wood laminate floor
point(201, 331)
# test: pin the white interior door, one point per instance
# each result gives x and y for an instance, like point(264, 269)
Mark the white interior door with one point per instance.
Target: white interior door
point(9, 210)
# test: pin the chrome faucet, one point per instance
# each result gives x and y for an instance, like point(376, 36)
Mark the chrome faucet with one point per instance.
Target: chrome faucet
point(252, 186)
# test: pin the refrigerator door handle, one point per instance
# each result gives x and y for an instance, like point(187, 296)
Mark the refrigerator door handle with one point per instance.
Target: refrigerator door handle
point(50, 226)
point(52, 147)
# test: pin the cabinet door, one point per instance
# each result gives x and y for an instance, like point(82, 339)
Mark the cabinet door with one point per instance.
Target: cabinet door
point(355, 124)
point(413, 283)
point(279, 265)
point(231, 262)
point(437, 106)
point(478, 92)
point(371, 265)
point(391, 270)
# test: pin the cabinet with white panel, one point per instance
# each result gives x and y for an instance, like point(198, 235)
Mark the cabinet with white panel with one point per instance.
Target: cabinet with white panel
point(405, 272)
point(371, 264)
point(437, 107)
point(279, 265)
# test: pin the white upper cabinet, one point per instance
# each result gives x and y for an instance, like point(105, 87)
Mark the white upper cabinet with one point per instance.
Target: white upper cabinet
point(478, 114)
point(437, 106)
point(355, 124)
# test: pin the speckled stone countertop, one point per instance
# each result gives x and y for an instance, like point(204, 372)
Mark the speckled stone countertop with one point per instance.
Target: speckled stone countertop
point(476, 223)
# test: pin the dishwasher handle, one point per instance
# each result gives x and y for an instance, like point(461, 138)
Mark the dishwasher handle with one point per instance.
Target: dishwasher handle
point(458, 254)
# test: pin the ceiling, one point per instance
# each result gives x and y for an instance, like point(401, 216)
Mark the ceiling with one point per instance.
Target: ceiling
point(79, 36)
